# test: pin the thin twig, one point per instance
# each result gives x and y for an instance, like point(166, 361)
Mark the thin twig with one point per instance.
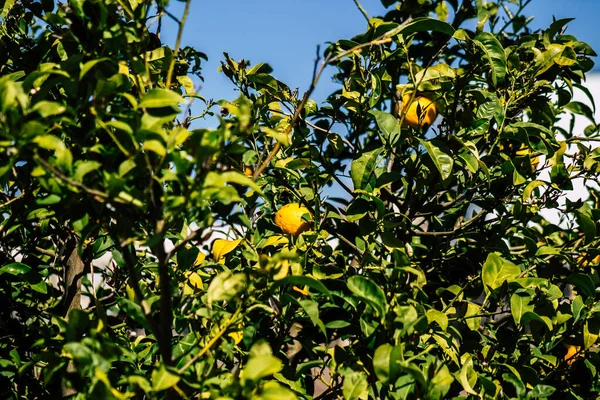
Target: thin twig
point(582, 139)
point(137, 290)
point(349, 243)
point(45, 252)
point(363, 11)
point(12, 200)
point(452, 232)
point(211, 342)
point(193, 235)
point(68, 180)
point(178, 43)
point(462, 290)
point(328, 131)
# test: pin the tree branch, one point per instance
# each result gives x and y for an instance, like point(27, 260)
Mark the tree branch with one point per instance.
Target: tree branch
point(50, 168)
point(177, 43)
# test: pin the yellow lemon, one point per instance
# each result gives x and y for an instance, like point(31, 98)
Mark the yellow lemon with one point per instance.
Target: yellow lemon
point(289, 219)
point(571, 352)
point(419, 112)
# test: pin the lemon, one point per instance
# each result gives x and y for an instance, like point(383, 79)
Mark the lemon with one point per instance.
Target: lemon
point(289, 219)
point(419, 112)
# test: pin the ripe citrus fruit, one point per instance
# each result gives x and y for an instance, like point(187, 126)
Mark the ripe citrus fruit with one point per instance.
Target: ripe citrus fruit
point(419, 112)
point(289, 219)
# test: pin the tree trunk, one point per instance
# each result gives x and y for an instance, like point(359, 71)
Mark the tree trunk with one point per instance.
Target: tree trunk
point(74, 270)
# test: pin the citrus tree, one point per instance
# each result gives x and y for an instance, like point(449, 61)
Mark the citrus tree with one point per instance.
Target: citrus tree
point(392, 242)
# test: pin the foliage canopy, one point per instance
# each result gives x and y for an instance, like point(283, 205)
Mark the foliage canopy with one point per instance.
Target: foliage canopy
point(430, 269)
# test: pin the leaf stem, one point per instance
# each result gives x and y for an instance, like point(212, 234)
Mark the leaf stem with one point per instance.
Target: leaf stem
point(212, 341)
point(363, 11)
point(177, 43)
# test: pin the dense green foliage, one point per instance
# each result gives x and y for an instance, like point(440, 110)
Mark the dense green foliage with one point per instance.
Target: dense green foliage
point(430, 271)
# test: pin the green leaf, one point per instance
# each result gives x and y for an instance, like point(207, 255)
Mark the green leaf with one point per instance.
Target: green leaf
point(581, 109)
point(303, 280)
point(84, 167)
point(533, 316)
point(63, 155)
point(40, 287)
point(225, 286)
point(466, 374)
point(519, 305)
point(439, 317)
point(576, 307)
point(496, 271)
point(583, 283)
point(158, 98)
point(388, 125)
point(155, 146)
point(220, 180)
point(385, 362)
point(85, 68)
point(370, 293)
point(79, 352)
point(123, 126)
point(591, 331)
point(436, 72)
point(48, 108)
point(260, 366)
point(163, 379)
point(473, 322)
point(587, 225)
point(547, 250)
point(530, 188)
point(363, 168)
point(440, 383)
point(272, 390)
point(441, 11)
point(424, 24)
point(519, 386)
point(355, 386)
point(284, 138)
point(187, 84)
point(357, 209)
point(441, 159)
point(312, 310)
point(541, 392)
point(15, 269)
point(133, 311)
point(494, 52)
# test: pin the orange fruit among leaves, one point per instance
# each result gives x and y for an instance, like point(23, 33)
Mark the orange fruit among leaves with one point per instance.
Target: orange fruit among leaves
point(289, 219)
point(421, 111)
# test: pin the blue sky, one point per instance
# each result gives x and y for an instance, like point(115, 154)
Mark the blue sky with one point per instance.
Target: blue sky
point(285, 33)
